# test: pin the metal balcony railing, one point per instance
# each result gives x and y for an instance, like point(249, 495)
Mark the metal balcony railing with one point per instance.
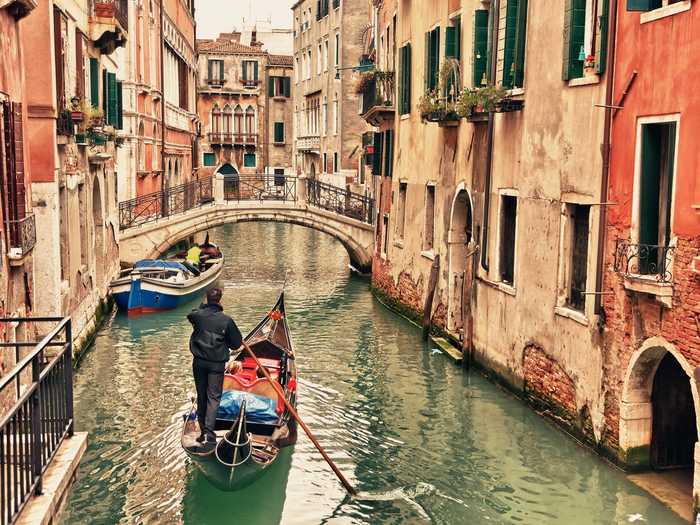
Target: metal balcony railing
point(22, 235)
point(644, 260)
point(340, 201)
point(377, 94)
point(239, 139)
point(160, 204)
point(216, 81)
point(118, 9)
point(260, 187)
point(38, 394)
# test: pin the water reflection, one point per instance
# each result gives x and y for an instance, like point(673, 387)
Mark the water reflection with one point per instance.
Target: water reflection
point(423, 441)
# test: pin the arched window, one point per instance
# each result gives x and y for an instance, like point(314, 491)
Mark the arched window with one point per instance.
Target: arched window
point(227, 118)
point(238, 120)
point(250, 120)
point(216, 119)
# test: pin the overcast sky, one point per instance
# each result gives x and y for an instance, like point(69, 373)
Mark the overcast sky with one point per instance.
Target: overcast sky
point(217, 16)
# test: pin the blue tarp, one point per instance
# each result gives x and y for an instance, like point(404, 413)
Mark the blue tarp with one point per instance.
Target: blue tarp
point(160, 263)
point(259, 409)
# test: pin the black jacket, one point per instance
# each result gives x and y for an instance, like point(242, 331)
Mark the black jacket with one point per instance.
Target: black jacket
point(214, 333)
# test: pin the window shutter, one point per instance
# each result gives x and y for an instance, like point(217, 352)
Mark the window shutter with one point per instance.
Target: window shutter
point(59, 58)
point(574, 29)
point(112, 93)
point(377, 159)
point(271, 86)
point(94, 83)
point(402, 79)
point(458, 37)
point(427, 61)
point(407, 82)
point(643, 5)
point(287, 86)
point(19, 208)
point(79, 65)
point(435, 62)
point(245, 70)
point(221, 70)
point(509, 44)
point(120, 108)
point(520, 41)
point(601, 52)
point(105, 95)
point(480, 50)
point(210, 67)
point(255, 71)
point(279, 132)
point(451, 42)
point(389, 152)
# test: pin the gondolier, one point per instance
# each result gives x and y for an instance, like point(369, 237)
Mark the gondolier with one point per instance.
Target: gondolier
point(214, 334)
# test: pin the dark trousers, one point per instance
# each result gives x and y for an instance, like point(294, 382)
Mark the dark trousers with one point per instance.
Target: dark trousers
point(209, 381)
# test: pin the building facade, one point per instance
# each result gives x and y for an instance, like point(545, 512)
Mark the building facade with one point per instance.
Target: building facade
point(245, 106)
point(329, 38)
point(653, 241)
point(491, 186)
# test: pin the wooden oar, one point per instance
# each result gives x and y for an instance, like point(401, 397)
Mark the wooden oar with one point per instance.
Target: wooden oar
point(289, 406)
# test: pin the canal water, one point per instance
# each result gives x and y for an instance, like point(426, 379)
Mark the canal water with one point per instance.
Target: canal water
point(423, 441)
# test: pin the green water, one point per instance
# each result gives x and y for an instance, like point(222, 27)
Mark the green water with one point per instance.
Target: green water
point(423, 441)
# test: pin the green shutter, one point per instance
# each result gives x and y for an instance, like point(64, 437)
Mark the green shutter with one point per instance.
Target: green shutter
point(451, 42)
point(601, 52)
point(221, 70)
point(271, 87)
point(377, 159)
point(520, 41)
point(389, 152)
point(481, 36)
point(405, 80)
point(112, 99)
point(94, 83)
point(426, 69)
point(574, 34)
point(210, 64)
point(245, 70)
point(509, 44)
point(435, 57)
point(249, 160)
point(643, 5)
point(279, 132)
point(458, 37)
point(105, 94)
point(255, 71)
point(209, 159)
point(287, 86)
point(120, 107)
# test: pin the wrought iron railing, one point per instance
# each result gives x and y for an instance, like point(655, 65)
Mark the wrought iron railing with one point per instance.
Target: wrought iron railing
point(37, 398)
point(118, 9)
point(159, 204)
point(378, 93)
point(216, 137)
point(341, 201)
point(22, 235)
point(644, 259)
point(260, 187)
point(215, 81)
point(64, 124)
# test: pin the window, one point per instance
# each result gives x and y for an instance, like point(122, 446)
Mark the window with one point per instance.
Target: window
point(514, 45)
point(238, 119)
point(325, 55)
point(249, 160)
point(209, 159)
point(11, 166)
point(655, 194)
point(249, 73)
point(575, 231)
point(279, 132)
point(324, 117)
point(401, 221)
point(321, 9)
point(335, 115)
point(405, 79)
point(279, 176)
point(250, 120)
point(336, 168)
point(429, 233)
point(453, 39)
point(432, 59)
point(296, 70)
point(216, 119)
point(183, 84)
point(388, 152)
point(94, 82)
point(509, 209)
point(585, 36)
point(649, 5)
point(319, 60)
point(385, 229)
point(337, 50)
point(336, 4)
point(279, 87)
point(60, 27)
point(480, 73)
point(309, 65)
point(215, 71)
point(325, 163)
point(377, 155)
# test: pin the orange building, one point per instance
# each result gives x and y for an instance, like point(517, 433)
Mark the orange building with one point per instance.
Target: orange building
point(653, 238)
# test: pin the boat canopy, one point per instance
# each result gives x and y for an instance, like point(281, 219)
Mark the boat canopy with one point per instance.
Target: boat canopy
point(160, 263)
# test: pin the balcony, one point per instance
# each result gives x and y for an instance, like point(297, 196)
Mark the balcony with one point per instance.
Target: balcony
point(109, 24)
point(250, 84)
point(216, 82)
point(233, 139)
point(377, 98)
point(22, 238)
point(646, 268)
point(309, 143)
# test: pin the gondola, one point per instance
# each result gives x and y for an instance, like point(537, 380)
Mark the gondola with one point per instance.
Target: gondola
point(253, 424)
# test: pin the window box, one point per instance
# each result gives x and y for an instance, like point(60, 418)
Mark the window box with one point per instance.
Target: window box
point(22, 238)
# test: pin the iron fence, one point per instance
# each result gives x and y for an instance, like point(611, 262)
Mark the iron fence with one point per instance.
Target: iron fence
point(38, 396)
point(340, 200)
point(644, 259)
point(260, 187)
point(164, 203)
point(22, 235)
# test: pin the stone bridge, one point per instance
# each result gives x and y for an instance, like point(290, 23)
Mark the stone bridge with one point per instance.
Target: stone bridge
point(246, 198)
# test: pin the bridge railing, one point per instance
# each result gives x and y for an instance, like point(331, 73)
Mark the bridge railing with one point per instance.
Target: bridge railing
point(164, 203)
point(340, 201)
point(36, 409)
point(260, 187)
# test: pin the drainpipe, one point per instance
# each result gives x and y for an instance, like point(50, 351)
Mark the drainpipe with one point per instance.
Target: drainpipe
point(609, 85)
point(267, 109)
point(495, 8)
point(162, 98)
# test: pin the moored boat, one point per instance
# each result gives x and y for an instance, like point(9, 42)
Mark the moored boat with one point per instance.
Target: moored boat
point(155, 284)
point(253, 425)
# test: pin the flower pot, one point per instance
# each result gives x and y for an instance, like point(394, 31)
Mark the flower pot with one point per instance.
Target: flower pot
point(80, 139)
point(589, 71)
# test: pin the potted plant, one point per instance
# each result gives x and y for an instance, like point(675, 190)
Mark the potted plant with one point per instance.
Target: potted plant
point(589, 65)
point(366, 83)
point(473, 102)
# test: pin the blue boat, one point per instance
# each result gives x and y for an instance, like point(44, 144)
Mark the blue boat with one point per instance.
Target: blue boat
point(153, 285)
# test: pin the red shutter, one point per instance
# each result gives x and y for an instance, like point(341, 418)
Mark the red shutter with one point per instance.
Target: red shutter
point(18, 136)
point(58, 54)
point(80, 64)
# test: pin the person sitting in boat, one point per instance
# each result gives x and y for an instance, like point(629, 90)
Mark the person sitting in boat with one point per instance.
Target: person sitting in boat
point(214, 335)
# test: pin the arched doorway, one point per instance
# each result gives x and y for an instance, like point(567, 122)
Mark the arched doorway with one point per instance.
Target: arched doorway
point(232, 182)
point(460, 237)
point(673, 429)
point(98, 228)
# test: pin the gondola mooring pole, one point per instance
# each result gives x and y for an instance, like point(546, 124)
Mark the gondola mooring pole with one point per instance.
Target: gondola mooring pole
point(289, 406)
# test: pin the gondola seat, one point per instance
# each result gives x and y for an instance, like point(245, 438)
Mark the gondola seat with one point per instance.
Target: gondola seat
point(259, 409)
